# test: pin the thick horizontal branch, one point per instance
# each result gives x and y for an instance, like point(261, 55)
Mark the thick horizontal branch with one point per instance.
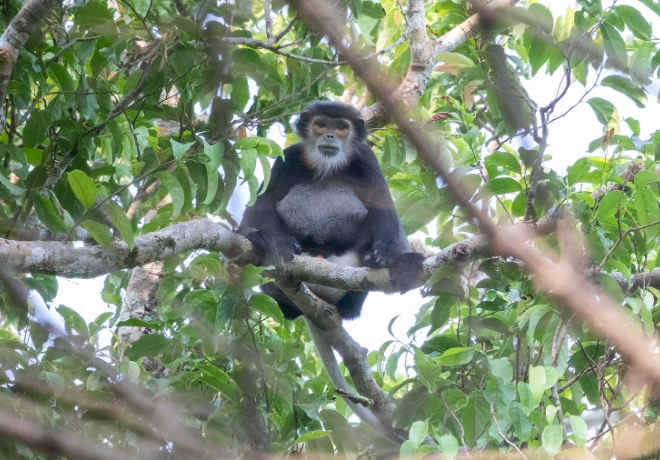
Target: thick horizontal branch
point(61, 259)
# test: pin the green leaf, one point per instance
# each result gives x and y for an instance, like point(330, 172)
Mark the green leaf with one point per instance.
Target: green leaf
point(608, 208)
point(542, 17)
point(522, 424)
point(58, 73)
point(73, 320)
point(578, 170)
point(35, 128)
point(502, 185)
point(634, 21)
point(406, 410)
point(647, 211)
point(589, 385)
point(645, 177)
point(552, 439)
point(418, 432)
point(220, 381)
point(539, 53)
point(628, 88)
point(580, 434)
point(83, 187)
point(317, 434)
point(407, 449)
point(214, 152)
point(456, 356)
point(611, 287)
point(248, 163)
point(606, 113)
point(526, 398)
point(505, 160)
point(134, 322)
point(49, 215)
point(100, 233)
point(46, 285)
point(537, 382)
point(652, 5)
point(640, 63)
point(55, 382)
point(147, 345)
point(178, 150)
point(453, 62)
point(448, 446)
point(173, 186)
point(343, 434)
point(266, 305)
point(38, 334)
point(13, 188)
point(133, 79)
point(615, 47)
point(501, 368)
point(121, 222)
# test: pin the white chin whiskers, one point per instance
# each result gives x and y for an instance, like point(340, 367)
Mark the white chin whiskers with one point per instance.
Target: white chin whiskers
point(324, 165)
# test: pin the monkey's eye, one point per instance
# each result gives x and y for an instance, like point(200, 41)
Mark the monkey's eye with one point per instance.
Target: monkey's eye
point(320, 123)
point(341, 124)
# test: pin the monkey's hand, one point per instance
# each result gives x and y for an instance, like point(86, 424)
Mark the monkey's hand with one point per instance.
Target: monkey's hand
point(383, 254)
point(273, 249)
point(405, 271)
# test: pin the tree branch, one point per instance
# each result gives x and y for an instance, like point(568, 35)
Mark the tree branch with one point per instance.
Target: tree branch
point(422, 52)
point(40, 438)
point(58, 258)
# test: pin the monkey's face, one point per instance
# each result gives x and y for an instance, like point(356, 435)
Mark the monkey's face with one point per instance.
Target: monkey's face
point(328, 144)
point(331, 135)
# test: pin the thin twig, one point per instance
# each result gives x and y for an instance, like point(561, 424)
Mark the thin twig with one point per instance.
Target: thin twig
point(507, 440)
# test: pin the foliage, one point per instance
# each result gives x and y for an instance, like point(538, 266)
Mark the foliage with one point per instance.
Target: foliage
point(106, 116)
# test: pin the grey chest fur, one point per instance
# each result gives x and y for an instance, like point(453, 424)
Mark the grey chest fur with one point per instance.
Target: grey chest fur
point(328, 212)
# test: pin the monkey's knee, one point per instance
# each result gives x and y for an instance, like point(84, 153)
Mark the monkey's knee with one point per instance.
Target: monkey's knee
point(350, 306)
point(405, 271)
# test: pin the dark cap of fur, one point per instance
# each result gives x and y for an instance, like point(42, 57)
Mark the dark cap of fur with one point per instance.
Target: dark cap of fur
point(332, 109)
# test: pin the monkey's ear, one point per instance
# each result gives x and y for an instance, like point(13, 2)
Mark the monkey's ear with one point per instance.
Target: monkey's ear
point(360, 127)
point(302, 124)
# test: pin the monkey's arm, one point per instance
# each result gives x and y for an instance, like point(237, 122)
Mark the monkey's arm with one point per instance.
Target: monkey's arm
point(383, 243)
point(272, 243)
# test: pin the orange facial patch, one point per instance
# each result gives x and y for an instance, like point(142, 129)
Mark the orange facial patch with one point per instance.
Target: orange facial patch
point(343, 132)
point(339, 127)
point(319, 126)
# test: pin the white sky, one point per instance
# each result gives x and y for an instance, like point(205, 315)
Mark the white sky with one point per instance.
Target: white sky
point(568, 140)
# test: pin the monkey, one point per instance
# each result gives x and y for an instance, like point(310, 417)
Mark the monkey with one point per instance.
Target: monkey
point(328, 198)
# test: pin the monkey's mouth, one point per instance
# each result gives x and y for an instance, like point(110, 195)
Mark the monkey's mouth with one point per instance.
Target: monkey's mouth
point(329, 150)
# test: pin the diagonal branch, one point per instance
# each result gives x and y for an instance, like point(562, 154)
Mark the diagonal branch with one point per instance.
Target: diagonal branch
point(422, 55)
